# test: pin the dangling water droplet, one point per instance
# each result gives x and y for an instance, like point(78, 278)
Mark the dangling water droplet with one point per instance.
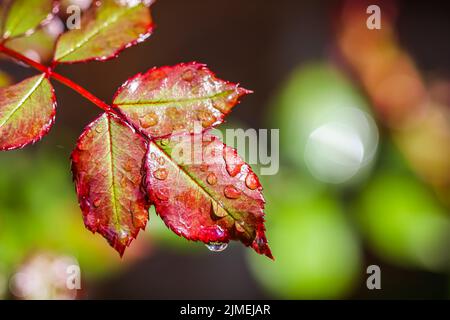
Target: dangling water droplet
point(217, 246)
point(211, 179)
point(149, 120)
point(231, 192)
point(251, 181)
point(160, 174)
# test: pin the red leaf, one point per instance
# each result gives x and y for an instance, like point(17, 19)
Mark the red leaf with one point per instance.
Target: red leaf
point(169, 99)
point(27, 112)
point(106, 167)
point(201, 195)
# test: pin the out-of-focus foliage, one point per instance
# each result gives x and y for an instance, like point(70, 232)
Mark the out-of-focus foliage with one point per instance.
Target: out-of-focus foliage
point(403, 221)
point(317, 253)
point(38, 211)
point(325, 124)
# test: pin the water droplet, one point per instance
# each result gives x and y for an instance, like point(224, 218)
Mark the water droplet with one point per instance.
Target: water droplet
point(123, 234)
point(164, 142)
point(260, 242)
point(232, 97)
point(129, 165)
point(206, 117)
point(217, 210)
point(232, 162)
point(97, 202)
point(160, 174)
point(231, 192)
point(217, 246)
point(251, 181)
point(239, 226)
point(125, 182)
point(99, 129)
point(149, 120)
point(188, 75)
point(161, 160)
point(174, 113)
point(162, 194)
point(211, 179)
point(153, 156)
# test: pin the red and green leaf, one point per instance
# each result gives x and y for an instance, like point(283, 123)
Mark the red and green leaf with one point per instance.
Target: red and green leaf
point(106, 166)
point(23, 16)
point(105, 30)
point(170, 99)
point(27, 112)
point(206, 193)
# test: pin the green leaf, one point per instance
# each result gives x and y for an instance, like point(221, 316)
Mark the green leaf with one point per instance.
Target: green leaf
point(106, 168)
point(172, 99)
point(105, 31)
point(24, 16)
point(39, 46)
point(27, 112)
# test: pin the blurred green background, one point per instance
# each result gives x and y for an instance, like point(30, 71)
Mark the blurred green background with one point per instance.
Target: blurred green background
point(364, 179)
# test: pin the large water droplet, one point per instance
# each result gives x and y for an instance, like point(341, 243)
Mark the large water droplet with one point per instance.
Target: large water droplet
point(231, 192)
point(149, 120)
point(217, 246)
point(160, 174)
point(251, 181)
point(211, 179)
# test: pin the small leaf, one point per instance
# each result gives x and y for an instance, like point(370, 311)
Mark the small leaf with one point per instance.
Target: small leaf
point(169, 99)
point(27, 112)
point(106, 166)
point(40, 45)
point(207, 195)
point(105, 31)
point(24, 16)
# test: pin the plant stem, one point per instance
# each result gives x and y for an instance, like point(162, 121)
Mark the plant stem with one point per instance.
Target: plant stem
point(50, 73)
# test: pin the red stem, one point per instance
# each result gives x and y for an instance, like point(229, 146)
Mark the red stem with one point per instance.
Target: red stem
point(49, 72)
